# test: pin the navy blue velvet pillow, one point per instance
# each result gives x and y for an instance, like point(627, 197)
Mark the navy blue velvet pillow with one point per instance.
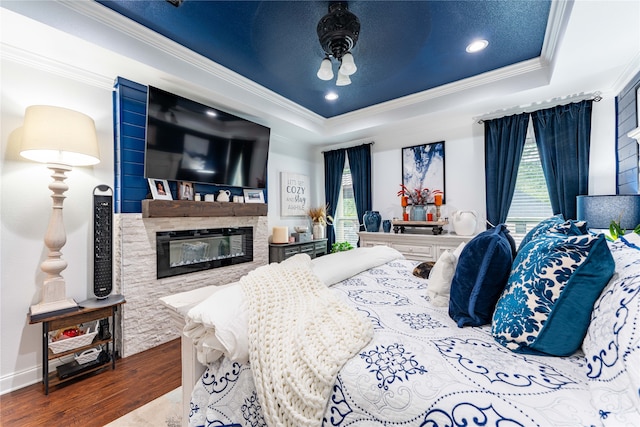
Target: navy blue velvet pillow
point(481, 275)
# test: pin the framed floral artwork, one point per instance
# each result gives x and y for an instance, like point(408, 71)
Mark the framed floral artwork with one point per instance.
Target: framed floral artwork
point(423, 167)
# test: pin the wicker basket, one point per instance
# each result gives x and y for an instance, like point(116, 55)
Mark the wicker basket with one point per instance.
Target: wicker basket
point(68, 344)
point(88, 355)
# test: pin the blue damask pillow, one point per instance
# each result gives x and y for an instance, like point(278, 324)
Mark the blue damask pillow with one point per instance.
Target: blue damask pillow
point(547, 303)
point(570, 228)
point(481, 275)
point(541, 228)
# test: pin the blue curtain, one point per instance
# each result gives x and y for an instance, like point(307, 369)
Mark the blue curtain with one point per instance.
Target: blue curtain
point(333, 168)
point(563, 136)
point(504, 140)
point(360, 164)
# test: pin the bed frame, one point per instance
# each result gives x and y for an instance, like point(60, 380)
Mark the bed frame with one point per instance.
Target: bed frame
point(192, 369)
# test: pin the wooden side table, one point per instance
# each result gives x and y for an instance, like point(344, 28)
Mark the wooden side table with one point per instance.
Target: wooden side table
point(66, 320)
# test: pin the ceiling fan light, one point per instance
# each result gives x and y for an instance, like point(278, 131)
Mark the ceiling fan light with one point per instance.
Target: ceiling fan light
point(348, 66)
point(325, 72)
point(343, 80)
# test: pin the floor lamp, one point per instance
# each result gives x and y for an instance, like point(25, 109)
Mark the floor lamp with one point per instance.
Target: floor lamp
point(61, 138)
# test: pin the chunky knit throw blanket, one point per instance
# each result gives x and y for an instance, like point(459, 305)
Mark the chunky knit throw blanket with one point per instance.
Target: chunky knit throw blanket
point(300, 335)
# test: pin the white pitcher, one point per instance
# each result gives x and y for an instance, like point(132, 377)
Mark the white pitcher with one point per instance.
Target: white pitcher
point(223, 195)
point(465, 222)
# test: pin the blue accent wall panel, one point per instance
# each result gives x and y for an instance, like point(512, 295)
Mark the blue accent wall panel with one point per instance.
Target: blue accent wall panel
point(130, 122)
point(627, 148)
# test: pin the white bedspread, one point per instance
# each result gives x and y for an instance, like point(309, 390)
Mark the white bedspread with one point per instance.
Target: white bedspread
point(420, 369)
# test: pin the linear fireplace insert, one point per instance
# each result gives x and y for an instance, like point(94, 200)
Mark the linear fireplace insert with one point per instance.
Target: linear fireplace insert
point(188, 251)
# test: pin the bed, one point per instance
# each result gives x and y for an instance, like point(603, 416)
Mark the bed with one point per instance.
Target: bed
point(407, 362)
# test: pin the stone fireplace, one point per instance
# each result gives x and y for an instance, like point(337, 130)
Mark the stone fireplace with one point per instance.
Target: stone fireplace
point(144, 321)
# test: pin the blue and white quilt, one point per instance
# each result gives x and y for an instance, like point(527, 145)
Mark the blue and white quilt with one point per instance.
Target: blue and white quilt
point(420, 369)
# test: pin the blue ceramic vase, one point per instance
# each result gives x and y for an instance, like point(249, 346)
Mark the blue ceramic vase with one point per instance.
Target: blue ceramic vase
point(371, 221)
point(418, 213)
point(386, 226)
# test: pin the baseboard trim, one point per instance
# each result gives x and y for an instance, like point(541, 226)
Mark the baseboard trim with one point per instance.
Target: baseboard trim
point(17, 380)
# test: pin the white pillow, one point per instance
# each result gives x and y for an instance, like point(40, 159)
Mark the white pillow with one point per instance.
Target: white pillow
point(338, 266)
point(219, 325)
point(441, 276)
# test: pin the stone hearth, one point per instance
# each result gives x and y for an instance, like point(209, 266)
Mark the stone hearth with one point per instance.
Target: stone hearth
point(144, 321)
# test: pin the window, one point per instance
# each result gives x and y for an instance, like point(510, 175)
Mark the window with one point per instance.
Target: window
point(346, 222)
point(530, 203)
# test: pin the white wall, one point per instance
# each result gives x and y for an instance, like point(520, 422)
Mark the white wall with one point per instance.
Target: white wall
point(281, 153)
point(26, 207)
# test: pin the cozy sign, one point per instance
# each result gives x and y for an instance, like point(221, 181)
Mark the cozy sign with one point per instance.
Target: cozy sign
point(294, 194)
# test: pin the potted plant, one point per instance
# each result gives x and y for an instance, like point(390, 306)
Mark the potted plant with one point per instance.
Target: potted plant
point(341, 247)
point(615, 230)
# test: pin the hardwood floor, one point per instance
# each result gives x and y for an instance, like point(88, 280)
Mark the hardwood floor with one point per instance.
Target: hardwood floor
point(98, 399)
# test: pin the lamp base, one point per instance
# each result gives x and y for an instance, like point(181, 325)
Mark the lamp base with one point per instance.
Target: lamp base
point(54, 307)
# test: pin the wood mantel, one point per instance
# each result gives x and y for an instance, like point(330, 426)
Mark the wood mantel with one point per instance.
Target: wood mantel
point(186, 208)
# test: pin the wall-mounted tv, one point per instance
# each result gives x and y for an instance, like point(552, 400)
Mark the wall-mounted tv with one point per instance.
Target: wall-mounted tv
point(189, 141)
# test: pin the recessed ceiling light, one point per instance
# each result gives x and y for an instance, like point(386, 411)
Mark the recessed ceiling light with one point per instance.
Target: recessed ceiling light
point(477, 46)
point(211, 113)
point(331, 96)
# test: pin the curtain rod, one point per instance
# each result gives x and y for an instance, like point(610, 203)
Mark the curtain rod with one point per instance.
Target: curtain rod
point(366, 143)
point(595, 96)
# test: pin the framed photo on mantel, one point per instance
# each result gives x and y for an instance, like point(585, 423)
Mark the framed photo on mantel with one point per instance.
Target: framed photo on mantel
point(185, 190)
point(253, 196)
point(423, 167)
point(160, 189)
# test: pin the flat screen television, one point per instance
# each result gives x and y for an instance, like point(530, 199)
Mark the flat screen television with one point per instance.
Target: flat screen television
point(189, 141)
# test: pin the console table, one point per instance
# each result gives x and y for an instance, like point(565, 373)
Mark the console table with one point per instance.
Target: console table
point(280, 251)
point(418, 247)
point(60, 321)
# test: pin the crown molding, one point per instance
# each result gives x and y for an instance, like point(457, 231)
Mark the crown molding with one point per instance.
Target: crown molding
point(524, 69)
point(556, 27)
point(630, 71)
point(132, 29)
point(166, 46)
point(38, 61)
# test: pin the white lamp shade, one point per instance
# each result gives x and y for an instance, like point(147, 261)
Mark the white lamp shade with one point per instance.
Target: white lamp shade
point(325, 72)
point(343, 80)
point(59, 135)
point(348, 66)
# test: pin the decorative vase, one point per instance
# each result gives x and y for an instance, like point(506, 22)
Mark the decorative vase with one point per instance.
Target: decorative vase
point(386, 226)
point(371, 221)
point(418, 213)
point(465, 222)
point(318, 231)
